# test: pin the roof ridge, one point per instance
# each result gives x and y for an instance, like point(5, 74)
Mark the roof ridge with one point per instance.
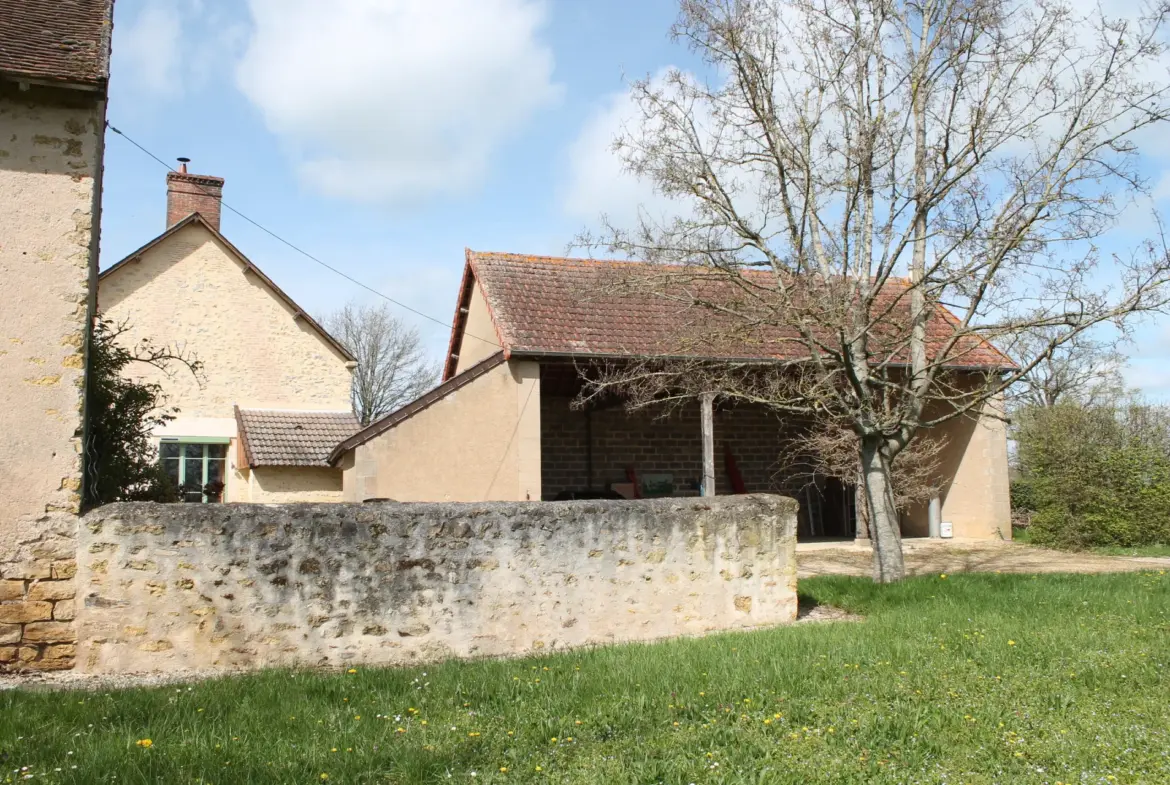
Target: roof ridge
point(557, 259)
point(281, 295)
point(295, 411)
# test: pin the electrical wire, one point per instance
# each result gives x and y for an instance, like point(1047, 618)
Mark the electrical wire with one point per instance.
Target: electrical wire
point(308, 255)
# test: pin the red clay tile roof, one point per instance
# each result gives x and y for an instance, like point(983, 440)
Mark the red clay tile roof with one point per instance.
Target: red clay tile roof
point(585, 307)
point(278, 437)
point(56, 40)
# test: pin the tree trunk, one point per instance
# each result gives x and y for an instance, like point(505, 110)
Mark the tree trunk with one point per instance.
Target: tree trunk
point(860, 509)
point(884, 531)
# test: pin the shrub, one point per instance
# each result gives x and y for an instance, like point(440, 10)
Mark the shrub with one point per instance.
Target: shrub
point(1095, 476)
point(121, 459)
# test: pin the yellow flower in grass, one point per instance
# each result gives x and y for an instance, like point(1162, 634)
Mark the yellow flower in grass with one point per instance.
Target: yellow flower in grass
point(503, 770)
point(145, 743)
point(1011, 643)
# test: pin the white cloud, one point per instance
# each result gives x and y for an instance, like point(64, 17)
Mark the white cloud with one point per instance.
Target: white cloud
point(148, 48)
point(164, 49)
point(598, 182)
point(396, 100)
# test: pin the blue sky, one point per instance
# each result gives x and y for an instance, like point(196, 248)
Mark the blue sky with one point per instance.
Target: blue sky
point(385, 136)
point(176, 89)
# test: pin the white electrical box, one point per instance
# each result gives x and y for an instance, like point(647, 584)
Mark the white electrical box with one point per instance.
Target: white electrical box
point(946, 529)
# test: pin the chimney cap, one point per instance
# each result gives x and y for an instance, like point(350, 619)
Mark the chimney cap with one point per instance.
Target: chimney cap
point(183, 164)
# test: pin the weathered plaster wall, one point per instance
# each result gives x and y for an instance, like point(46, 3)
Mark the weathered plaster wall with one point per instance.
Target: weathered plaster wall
point(480, 443)
point(168, 586)
point(977, 500)
point(479, 338)
point(283, 484)
point(190, 289)
point(50, 166)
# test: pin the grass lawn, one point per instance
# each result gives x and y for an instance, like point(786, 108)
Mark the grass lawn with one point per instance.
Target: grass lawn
point(1157, 550)
point(1141, 550)
point(963, 679)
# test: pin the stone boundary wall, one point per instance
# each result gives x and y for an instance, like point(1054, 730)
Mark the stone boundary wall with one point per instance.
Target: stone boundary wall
point(36, 598)
point(238, 585)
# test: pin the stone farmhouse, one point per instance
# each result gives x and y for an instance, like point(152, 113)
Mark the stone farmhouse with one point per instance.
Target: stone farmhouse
point(273, 397)
point(54, 70)
point(501, 426)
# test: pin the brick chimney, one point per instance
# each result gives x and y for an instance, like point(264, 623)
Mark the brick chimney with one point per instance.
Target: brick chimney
point(193, 193)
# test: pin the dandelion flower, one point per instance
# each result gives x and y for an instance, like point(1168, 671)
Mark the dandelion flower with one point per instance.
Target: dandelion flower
point(145, 743)
point(1011, 643)
point(352, 670)
point(503, 770)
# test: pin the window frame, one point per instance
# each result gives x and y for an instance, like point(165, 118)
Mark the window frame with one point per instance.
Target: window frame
point(204, 442)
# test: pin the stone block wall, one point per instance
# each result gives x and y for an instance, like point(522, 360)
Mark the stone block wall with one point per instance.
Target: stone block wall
point(36, 600)
point(50, 188)
point(166, 586)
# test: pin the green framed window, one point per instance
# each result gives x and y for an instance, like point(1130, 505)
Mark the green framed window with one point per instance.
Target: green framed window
point(197, 468)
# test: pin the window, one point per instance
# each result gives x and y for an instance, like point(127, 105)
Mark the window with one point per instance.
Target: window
point(196, 469)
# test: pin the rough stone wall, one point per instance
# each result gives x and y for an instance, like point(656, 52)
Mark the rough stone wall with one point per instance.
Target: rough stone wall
point(50, 160)
point(255, 353)
point(166, 586)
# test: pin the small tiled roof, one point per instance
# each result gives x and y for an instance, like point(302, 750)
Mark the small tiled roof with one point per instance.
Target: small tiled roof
point(56, 40)
point(586, 307)
point(279, 437)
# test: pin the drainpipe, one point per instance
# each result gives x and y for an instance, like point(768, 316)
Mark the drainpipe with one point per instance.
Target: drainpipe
point(935, 517)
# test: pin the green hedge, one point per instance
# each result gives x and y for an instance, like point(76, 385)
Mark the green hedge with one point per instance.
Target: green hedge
point(1094, 476)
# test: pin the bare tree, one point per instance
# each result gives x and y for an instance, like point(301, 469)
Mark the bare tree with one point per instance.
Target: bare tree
point(392, 367)
point(1083, 369)
point(857, 166)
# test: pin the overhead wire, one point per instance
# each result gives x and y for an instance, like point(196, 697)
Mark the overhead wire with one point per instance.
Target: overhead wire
point(305, 253)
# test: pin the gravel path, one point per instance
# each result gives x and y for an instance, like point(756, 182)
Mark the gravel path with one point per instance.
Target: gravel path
point(928, 557)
